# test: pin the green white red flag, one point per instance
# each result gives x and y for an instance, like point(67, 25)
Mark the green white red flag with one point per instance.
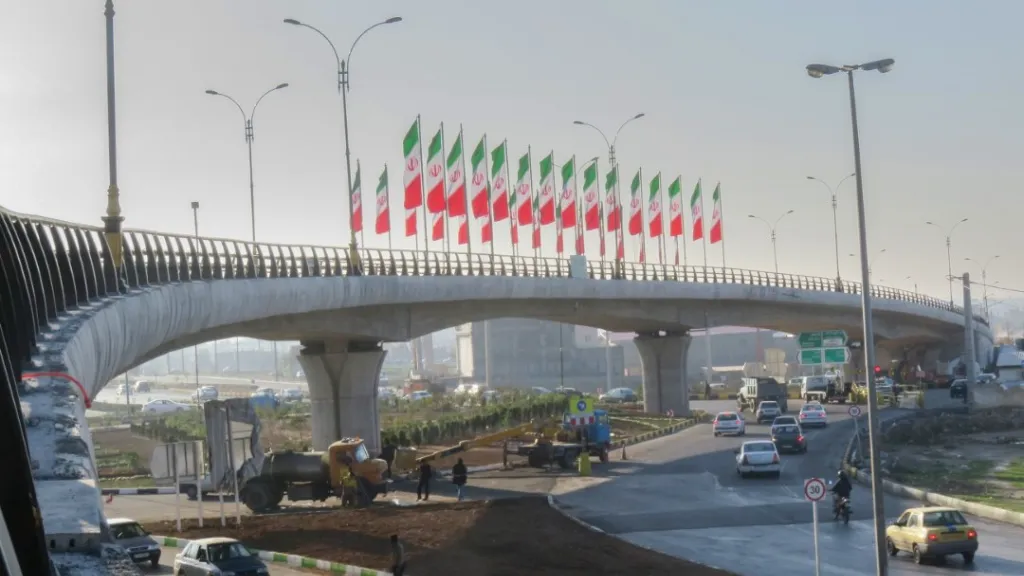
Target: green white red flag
point(412, 151)
point(591, 197)
point(547, 190)
point(568, 198)
point(654, 215)
point(499, 183)
point(357, 201)
point(675, 207)
point(524, 191)
point(435, 175)
point(611, 199)
point(456, 179)
point(715, 234)
point(479, 189)
point(383, 221)
point(636, 224)
point(697, 212)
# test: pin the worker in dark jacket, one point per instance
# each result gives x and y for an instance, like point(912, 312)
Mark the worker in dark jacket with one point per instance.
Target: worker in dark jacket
point(388, 453)
point(459, 477)
point(423, 486)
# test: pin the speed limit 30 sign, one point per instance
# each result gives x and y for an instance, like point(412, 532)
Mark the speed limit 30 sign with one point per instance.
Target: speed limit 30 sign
point(814, 489)
point(854, 411)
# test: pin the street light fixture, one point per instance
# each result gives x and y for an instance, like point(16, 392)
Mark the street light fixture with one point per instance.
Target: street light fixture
point(835, 219)
point(984, 278)
point(248, 140)
point(871, 263)
point(343, 88)
point(949, 254)
point(818, 71)
point(911, 278)
point(772, 227)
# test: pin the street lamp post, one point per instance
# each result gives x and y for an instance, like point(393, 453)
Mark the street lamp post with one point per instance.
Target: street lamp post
point(248, 140)
point(343, 88)
point(772, 227)
point(817, 71)
point(949, 254)
point(112, 221)
point(195, 254)
point(835, 220)
point(911, 278)
point(984, 278)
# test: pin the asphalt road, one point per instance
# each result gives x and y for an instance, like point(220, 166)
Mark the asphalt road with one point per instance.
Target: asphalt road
point(681, 495)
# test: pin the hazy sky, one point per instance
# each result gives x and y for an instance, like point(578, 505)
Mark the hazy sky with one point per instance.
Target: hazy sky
point(722, 84)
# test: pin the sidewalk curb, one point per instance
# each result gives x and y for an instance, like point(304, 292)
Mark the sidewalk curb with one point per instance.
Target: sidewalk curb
point(288, 559)
point(554, 505)
point(687, 423)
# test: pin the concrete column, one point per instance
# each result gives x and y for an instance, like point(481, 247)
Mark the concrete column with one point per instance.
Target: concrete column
point(343, 378)
point(663, 359)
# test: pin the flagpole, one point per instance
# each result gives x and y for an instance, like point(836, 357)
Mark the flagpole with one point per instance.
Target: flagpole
point(581, 238)
point(602, 222)
point(661, 217)
point(533, 203)
point(487, 194)
point(513, 210)
point(643, 219)
point(721, 221)
point(703, 233)
point(362, 210)
point(466, 180)
point(620, 237)
point(387, 197)
point(423, 182)
point(446, 242)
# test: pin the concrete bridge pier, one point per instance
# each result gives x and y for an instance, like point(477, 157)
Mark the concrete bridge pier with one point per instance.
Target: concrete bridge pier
point(343, 377)
point(664, 364)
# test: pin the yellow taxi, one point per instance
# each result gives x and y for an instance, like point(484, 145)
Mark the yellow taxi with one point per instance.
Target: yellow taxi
point(932, 532)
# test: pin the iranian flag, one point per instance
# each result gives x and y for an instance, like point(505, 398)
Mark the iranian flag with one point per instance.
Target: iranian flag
point(435, 173)
point(479, 191)
point(697, 212)
point(611, 199)
point(536, 227)
point(568, 199)
point(591, 197)
point(524, 191)
point(456, 179)
point(411, 148)
point(559, 235)
point(383, 223)
point(654, 215)
point(499, 183)
point(675, 208)
point(547, 190)
point(636, 224)
point(357, 201)
point(715, 234)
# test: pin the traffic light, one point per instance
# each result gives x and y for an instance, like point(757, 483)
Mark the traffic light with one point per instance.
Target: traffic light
point(878, 370)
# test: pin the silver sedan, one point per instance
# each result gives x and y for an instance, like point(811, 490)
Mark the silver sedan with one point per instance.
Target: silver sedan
point(813, 414)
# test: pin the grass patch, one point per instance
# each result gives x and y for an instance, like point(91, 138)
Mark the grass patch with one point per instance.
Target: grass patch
point(126, 483)
point(1013, 474)
point(948, 479)
point(1012, 504)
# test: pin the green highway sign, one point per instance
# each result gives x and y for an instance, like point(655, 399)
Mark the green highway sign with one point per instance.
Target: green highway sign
point(833, 339)
point(811, 357)
point(837, 355)
point(810, 339)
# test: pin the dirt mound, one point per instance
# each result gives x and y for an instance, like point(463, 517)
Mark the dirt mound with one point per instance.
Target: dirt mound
point(495, 538)
point(938, 428)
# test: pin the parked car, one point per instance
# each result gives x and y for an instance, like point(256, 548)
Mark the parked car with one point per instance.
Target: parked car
point(216, 556)
point(758, 457)
point(164, 406)
point(729, 423)
point(932, 532)
point(130, 535)
point(958, 389)
point(618, 396)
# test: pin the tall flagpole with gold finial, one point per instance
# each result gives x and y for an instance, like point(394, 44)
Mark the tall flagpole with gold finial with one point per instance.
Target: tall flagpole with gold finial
point(112, 221)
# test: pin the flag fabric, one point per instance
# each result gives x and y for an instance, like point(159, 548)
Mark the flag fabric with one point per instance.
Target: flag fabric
point(611, 199)
point(697, 212)
point(357, 201)
point(715, 234)
point(410, 222)
point(636, 225)
point(535, 244)
point(581, 245)
point(524, 191)
point(675, 203)
point(383, 223)
point(499, 183)
point(464, 231)
point(568, 199)
point(435, 175)
point(456, 179)
point(547, 190)
point(620, 251)
point(559, 236)
point(479, 188)
point(591, 197)
point(654, 215)
point(411, 148)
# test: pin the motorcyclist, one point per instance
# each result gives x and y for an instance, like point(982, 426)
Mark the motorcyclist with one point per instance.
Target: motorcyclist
point(841, 489)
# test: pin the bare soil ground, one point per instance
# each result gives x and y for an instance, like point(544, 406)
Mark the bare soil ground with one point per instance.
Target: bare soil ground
point(495, 538)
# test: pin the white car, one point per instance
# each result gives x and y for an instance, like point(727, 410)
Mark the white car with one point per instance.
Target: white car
point(758, 457)
point(813, 414)
point(204, 394)
point(729, 423)
point(164, 406)
point(419, 395)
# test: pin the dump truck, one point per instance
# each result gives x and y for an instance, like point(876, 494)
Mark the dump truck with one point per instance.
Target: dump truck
point(825, 389)
point(316, 476)
point(757, 390)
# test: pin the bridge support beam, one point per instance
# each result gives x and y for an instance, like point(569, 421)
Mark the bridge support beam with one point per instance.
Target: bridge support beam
point(664, 364)
point(343, 377)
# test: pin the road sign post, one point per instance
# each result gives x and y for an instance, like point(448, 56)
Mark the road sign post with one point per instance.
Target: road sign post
point(814, 492)
point(854, 412)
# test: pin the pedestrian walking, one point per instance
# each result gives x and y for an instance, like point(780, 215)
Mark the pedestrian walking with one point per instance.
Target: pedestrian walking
point(459, 477)
point(423, 486)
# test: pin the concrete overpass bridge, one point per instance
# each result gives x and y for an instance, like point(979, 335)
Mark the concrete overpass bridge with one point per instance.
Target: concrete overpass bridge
point(66, 308)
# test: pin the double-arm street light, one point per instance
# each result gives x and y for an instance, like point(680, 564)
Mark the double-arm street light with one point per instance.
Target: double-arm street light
point(984, 278)
point(772, 227)
point(911, 279)
point(610, 143)
point(343, 88)
point(871, 262)
point(835, 218)
point(949, 253)
point(248, 140)
point(818, 71)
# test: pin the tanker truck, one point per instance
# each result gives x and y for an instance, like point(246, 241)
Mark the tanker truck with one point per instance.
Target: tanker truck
point(316, 476)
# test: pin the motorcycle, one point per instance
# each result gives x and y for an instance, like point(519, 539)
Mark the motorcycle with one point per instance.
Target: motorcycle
point(841, 509)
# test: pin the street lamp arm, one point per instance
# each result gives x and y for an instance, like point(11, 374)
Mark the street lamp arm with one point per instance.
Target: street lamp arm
point(823, 183)
point(955, 226)
point(260, 99)
point(838, 186)
point(245, 119)
point(779, 219)
point(337, 58)
point(599, 131)
point(624, 124)
point(766, 223)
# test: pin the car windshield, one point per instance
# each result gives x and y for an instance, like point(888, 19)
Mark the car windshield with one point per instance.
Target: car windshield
point(726, 416)
point(126, 531)
point(944, 518)
point(770, 405)
point(759, 447)
point(787, 430)
point(228, 551)
point(361, 454)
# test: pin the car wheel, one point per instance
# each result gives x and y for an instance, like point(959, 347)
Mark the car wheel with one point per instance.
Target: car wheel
point(192, 492)
point(918, 557)
point(777, 475)
point(968, 557)
point(717, 434)
point(890, 546)
point(154, 563)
